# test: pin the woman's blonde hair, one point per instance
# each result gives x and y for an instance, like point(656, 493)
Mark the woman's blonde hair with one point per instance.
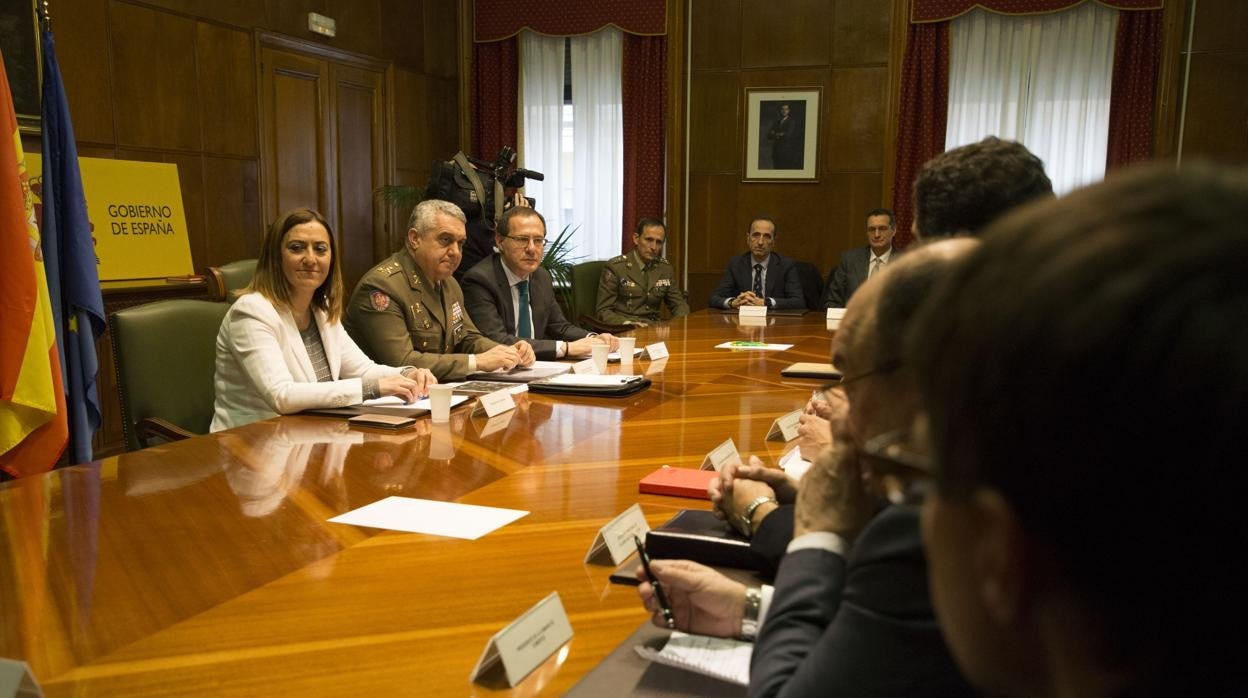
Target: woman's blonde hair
point(270, 280)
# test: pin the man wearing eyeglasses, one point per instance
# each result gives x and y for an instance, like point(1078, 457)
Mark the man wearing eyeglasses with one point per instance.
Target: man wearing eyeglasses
point(860, 263)
point(410, 309)
point(849, 613)
point(511, 298)
point(760, 276)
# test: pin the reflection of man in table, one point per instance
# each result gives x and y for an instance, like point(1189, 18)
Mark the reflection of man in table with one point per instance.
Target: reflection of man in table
point(786, 141)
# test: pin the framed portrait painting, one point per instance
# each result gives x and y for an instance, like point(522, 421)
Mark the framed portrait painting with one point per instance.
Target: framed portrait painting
point(782, 134)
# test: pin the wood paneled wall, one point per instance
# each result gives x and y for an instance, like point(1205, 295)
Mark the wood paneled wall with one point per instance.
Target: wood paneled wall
point(175, 81)
point(1215, 124)
point(841, 45)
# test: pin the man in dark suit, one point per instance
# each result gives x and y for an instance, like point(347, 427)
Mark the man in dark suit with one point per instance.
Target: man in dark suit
point(840, 620)
point(760, 276)
point(862, 262)
point(786, 141)
point(509, 294)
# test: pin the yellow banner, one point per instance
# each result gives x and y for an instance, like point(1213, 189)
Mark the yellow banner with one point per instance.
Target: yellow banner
point(137, 221)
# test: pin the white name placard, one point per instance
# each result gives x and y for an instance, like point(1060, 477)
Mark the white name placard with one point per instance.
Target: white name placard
point(616, 538)
point(785, 428)
point(587, 366)
point(722, 455)
point(656, 351)
point(495, 403)
point(793, 464)
point(834, 317)
point(526, 642)
point(752, 311)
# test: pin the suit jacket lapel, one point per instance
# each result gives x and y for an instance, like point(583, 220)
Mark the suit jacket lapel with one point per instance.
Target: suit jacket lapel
point(507, 310)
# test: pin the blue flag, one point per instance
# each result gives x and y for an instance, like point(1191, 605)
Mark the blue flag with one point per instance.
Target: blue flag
point(69, 257)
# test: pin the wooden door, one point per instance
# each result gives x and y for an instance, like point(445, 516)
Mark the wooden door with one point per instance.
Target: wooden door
point(326, 142)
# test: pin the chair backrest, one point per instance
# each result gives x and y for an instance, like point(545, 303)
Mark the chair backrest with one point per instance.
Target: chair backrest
point(227, 278)
point(166, 358)
point(812, 284)
point(585, 278)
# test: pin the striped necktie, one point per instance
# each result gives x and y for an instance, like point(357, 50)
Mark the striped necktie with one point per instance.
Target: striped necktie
point(758, 280)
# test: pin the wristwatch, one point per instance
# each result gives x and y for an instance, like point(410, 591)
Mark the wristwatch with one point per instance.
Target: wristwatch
point(747, 516)
point(749, 615)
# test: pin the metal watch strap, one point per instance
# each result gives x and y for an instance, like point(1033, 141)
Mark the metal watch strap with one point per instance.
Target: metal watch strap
point(749, 615)
point(747, 516)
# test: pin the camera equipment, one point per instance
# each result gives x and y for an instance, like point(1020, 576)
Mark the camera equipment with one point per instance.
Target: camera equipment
point(476, 186)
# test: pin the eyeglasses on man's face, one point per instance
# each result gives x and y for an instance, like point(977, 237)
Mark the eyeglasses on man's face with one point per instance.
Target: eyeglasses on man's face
point(901, 470)
point(537, 242)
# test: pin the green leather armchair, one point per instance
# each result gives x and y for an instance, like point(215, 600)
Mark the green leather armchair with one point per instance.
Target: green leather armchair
point(166, 357)
point(224, 280)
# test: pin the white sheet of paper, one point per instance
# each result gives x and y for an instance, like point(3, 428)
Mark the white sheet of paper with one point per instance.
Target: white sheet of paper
point(760, 346)
point(592, 379)
point(467, 521)
point(423, 403)
point(713, 656)
point(793, 464)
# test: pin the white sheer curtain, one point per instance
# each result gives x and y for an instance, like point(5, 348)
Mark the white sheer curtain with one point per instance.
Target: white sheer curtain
point(1043, 80)
point(541, 110)
point(598, 143)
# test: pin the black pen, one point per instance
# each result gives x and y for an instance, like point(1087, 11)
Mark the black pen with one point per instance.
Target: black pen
point(658, 588)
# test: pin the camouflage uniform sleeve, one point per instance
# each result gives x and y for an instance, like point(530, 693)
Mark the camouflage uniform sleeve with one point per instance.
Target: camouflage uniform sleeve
point(608, 291)
point(675, 297)
point(376, 322)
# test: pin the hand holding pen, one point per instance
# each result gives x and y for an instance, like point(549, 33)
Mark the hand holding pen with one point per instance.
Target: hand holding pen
point(700, 600)
point(664, 606)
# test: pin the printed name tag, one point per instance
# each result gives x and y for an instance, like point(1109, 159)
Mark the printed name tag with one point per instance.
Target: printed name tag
point(616, 538)
point(656, 351)
point(785, 428)
point(527, 642)
point(495, 403)
point(722, 455)
point(753, 311)
point(834, 317)
point(586, 366)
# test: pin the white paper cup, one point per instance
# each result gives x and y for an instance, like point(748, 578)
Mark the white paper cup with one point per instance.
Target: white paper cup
point(627, 346)
point(599, 352)
point(440, 402)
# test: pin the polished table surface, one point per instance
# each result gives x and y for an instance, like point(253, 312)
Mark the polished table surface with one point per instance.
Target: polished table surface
point(208, 565)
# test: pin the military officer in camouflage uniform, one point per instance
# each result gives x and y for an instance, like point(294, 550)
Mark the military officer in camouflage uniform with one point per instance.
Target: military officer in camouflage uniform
point(409, 309)
point(635, 285)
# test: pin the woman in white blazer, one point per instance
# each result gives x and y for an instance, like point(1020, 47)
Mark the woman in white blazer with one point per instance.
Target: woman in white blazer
point(282, 348)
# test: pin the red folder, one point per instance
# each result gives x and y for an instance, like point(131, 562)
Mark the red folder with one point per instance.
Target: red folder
point(678, 482)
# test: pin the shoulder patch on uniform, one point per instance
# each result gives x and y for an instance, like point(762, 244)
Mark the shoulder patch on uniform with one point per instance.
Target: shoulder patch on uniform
point(380, 300)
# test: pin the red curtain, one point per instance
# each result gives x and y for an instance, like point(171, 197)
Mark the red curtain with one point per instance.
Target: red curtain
point(1137, 55)
point(923, 116)
point(644, 93)
point(500, 19)
point(495, 83)
point(944, 10)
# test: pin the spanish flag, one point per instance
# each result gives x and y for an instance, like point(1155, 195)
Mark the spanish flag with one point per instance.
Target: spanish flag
point(33, 426)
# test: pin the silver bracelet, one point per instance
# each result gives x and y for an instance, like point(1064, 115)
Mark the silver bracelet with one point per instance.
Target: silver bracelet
point(749, 616)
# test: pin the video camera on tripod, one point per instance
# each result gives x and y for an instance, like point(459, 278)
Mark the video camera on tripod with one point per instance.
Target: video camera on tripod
point(476, 186)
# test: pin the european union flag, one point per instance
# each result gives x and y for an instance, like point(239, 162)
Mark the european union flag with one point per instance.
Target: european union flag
point(69, 257)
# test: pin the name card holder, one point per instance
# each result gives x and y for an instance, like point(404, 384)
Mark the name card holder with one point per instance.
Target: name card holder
point(656, 351)
point(752, 311)
point(495, 403)
point(835, 315)
point(588, 366)
point(720, 456)
point(785, 427)
point(616, 538)
point(793, 464)
point(526, 642)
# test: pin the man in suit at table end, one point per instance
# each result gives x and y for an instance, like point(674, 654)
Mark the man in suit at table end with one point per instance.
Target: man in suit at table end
point(760, 276)
point(861, 262)
point(510, 296)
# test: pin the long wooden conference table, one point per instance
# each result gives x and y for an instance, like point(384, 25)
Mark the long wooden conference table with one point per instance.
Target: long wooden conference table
point(209, 566)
